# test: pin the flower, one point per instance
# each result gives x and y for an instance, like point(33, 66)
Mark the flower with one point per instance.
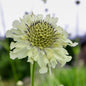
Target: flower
point(20, 83)
point(41, 40)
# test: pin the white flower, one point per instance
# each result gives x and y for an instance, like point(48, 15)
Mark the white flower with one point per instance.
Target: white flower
point(20, 83)
point(41, 40)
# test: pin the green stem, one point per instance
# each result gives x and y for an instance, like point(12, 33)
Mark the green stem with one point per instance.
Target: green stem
point(13, 70)
point(32, 73)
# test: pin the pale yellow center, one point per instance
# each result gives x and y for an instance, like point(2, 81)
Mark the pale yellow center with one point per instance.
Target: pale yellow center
point(41, 34)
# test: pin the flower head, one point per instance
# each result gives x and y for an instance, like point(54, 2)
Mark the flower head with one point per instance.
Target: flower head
point(41, 40)
point(20, 83)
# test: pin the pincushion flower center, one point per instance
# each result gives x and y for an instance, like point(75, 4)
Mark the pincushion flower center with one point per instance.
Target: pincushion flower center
point(41, 34)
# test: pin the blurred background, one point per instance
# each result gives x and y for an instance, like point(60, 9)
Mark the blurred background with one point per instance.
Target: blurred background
point(72, 17)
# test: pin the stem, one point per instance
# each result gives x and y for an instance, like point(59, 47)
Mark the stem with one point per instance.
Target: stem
point(13, 70)
point(32, 73)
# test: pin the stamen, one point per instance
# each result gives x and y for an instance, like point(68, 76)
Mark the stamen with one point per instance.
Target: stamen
point(41, 34)
point(27, 27)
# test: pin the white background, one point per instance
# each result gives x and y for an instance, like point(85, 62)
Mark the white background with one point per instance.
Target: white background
point(65, 10)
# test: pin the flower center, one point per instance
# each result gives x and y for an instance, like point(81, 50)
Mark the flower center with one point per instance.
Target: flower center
point(41, 34)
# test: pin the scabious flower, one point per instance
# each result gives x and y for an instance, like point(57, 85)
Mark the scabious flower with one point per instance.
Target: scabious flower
point(41, 40)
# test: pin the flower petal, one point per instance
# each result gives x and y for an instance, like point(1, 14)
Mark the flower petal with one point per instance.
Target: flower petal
point(43, 70)
point(18, 53)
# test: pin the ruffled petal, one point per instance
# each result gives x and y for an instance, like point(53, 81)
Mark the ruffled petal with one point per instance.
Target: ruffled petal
point(17, 35)
point(61, 56)
point(33, 54)
point(51, 20)
point(20, 44)
point(43, 70)
point(18, 53)
point(20, 25)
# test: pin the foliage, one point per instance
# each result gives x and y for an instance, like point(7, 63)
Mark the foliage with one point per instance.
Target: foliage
point(16, 69)
point(65, 77)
